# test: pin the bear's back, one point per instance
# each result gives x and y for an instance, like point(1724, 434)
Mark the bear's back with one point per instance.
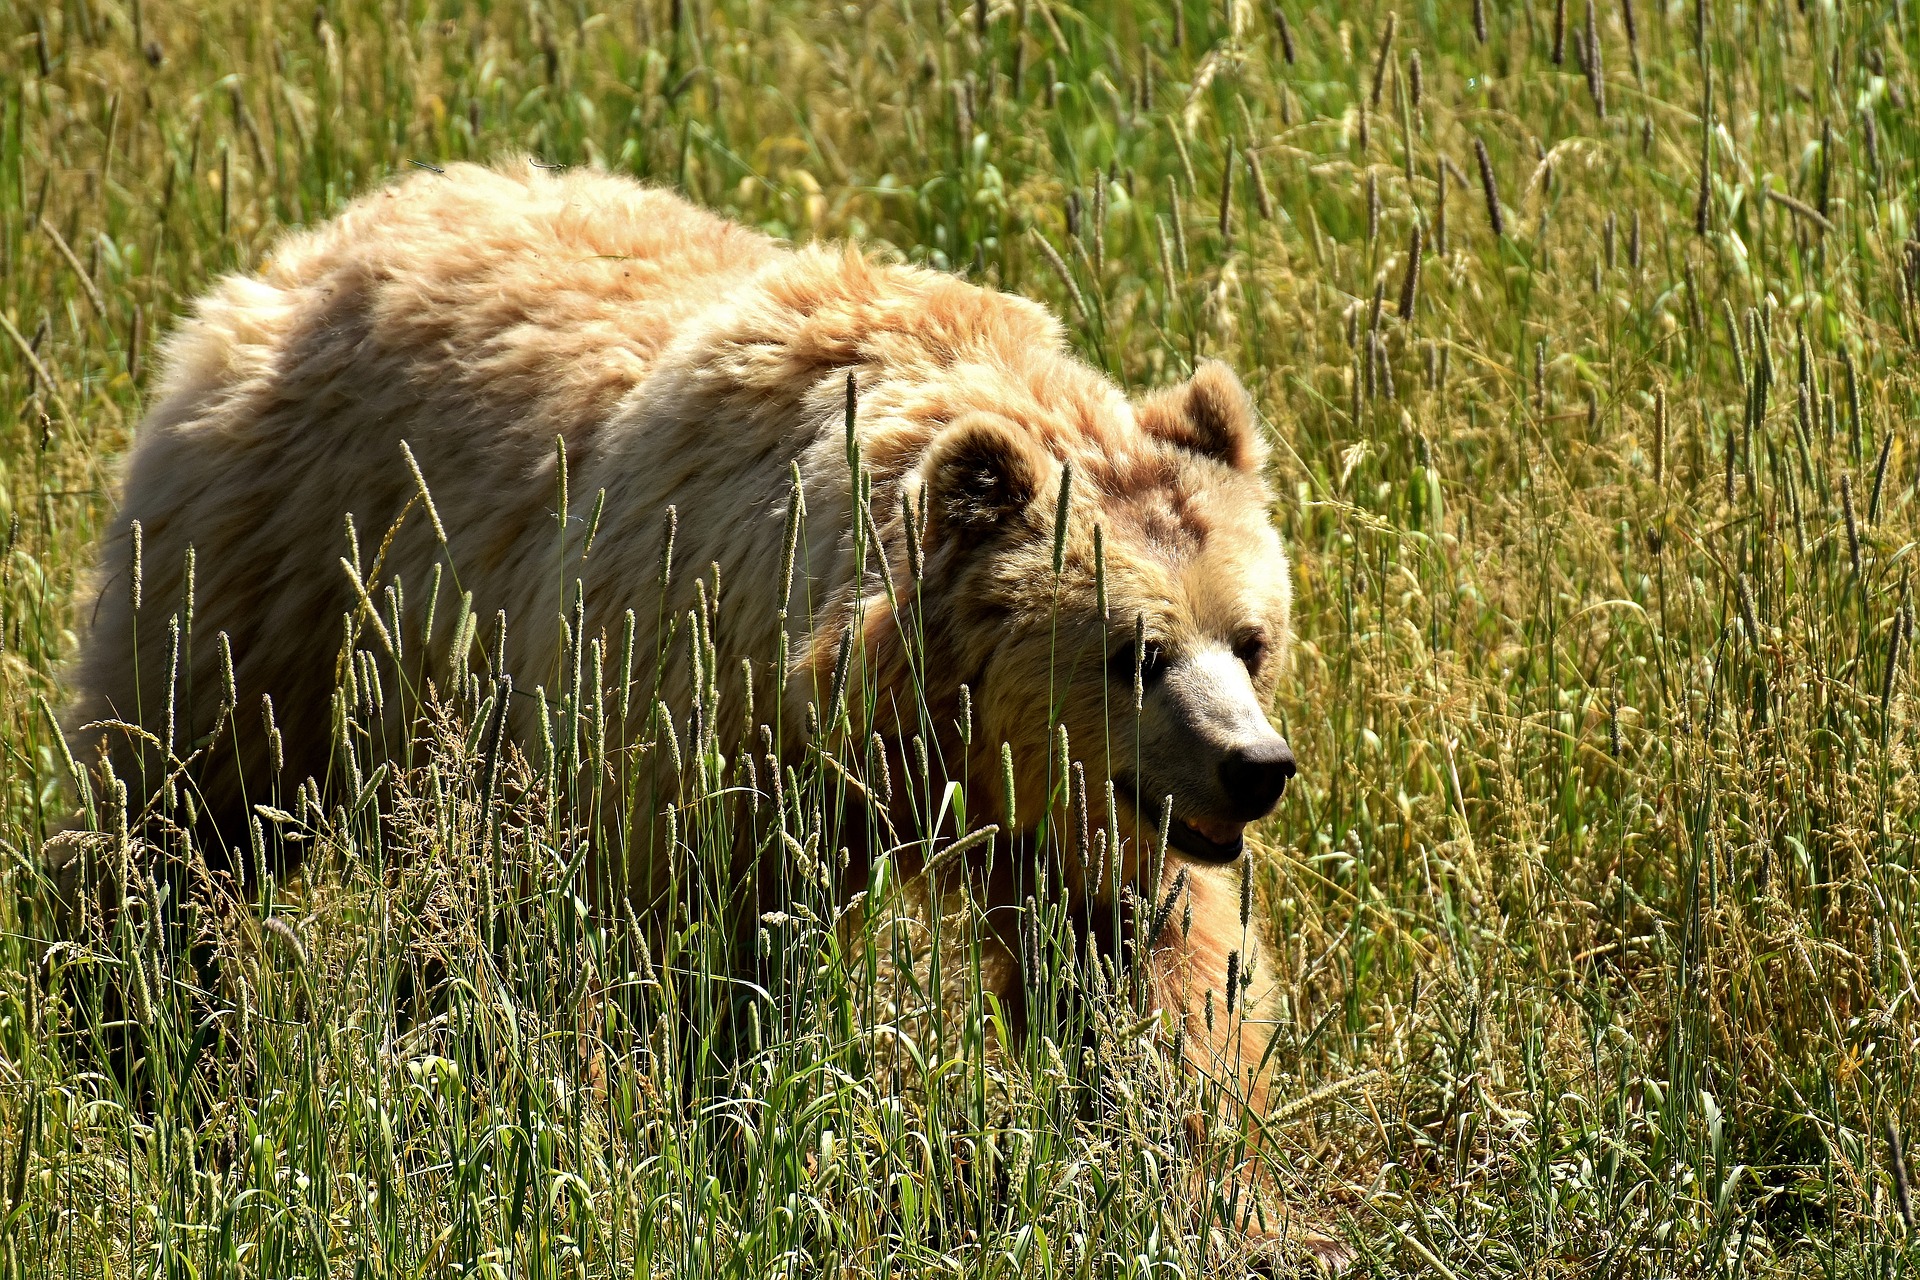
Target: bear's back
point(557, 289)
point(475, 315)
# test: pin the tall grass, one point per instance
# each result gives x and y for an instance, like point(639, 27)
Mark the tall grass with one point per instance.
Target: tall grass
point(1589, 367)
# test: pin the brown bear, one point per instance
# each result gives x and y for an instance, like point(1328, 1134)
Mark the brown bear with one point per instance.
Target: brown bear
point(392, 396)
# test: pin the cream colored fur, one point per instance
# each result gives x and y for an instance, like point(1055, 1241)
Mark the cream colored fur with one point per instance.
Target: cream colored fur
point(684, 360)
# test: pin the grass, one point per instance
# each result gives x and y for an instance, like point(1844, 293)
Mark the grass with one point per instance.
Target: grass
point(1595, 904)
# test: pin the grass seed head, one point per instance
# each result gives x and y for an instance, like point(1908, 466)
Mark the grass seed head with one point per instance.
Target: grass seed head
point(1262, 196)
point(1410, 281)
point(1383, 52)
point(1659, 436)
point(1489, 187)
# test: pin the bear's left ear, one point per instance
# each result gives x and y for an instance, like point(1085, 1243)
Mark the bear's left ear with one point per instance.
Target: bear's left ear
point(1211, 414)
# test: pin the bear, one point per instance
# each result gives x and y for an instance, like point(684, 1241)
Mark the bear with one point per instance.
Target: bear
point(1022, 561)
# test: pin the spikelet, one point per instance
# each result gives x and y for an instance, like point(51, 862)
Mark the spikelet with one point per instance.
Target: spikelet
point(426, 496)
point(1853, 524)
point(1262, 195)
point(1879, 479)
point(276, 751)
point(230, 697)
point(1410, 282)
point(1060, 512)
point(1058, 266)
point(1659, 435)
point(1006, 785)
point(881, 777)
point(1743, 592)
point(1489, 187)
point(790, 538)
point(670, 529)
point(1383, 51)
point(910, 528)
point(1164, 912)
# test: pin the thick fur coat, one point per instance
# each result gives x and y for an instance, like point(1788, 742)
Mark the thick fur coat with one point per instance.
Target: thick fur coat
point(482, 315)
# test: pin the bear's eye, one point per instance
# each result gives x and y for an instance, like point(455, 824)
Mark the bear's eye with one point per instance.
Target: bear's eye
point(1150, 662)
point(1252, 651)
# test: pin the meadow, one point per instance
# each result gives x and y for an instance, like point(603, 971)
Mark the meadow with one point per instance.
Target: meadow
point(1584, 337)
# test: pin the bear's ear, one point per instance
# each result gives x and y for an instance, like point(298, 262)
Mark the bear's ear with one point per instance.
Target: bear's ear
point(1211, 414)
point(981, 473)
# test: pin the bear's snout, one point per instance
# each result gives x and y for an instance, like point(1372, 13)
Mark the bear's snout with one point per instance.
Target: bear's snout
point(1254, 777)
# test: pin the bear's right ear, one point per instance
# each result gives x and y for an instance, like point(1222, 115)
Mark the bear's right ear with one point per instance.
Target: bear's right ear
point(981, 474)
point(1211, 414)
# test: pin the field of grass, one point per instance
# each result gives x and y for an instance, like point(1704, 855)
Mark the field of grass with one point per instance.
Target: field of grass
point(1584, 334)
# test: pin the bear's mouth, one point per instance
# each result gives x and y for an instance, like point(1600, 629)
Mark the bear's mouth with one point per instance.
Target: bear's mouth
point(1214, 841)
point(1207, 840)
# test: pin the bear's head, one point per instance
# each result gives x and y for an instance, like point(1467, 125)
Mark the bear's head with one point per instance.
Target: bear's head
point(1164, 692)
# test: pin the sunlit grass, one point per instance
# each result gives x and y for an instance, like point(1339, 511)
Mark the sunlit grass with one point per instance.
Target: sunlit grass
point(1595, 904)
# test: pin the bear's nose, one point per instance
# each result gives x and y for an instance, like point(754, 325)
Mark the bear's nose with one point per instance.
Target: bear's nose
point(1255, 776)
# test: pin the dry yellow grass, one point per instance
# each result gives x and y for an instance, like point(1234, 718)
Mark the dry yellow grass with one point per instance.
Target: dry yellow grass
point(1596, 902)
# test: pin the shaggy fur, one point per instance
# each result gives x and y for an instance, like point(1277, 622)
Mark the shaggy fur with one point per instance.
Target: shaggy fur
point(684, 360)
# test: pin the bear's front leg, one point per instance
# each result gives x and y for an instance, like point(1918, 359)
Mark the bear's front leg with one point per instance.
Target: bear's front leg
point(1210, 974)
